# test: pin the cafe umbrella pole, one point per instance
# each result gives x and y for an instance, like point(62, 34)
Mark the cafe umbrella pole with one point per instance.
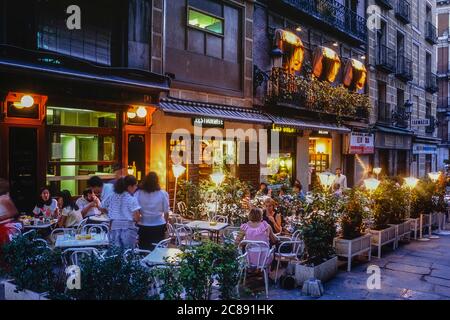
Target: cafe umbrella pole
point(177, 170)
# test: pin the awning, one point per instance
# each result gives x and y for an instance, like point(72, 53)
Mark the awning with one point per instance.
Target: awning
point(190, 108)
point(393, 130)
point(307, 124)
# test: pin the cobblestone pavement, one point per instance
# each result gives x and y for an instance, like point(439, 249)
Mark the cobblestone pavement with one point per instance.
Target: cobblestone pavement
point(415, 271)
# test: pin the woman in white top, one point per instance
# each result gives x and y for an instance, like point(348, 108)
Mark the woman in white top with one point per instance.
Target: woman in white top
point(7, 213)
point(123, 211)
point(46, 206)
point(154, 204)
point(70, 213)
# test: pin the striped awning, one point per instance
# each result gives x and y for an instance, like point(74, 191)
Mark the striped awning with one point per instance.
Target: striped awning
point(190, 108)
point(307, 124)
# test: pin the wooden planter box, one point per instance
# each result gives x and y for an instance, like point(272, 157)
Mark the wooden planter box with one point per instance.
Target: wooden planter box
point(414, 226)
point(383, 237)
point(11, 294)
point(403, 231)
point(352, 248)
point(322, 272)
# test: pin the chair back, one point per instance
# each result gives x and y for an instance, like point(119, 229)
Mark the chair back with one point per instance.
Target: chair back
point(221, 219)
point(82, 224)
point(291, 248)
point(184, 235)
point(73, 256)
point(259, 253)
point(138, 253)
point(163, 243)
point(296, 235)
point(98, 228)
point(58, 231)
point(231, 233)
point(14, 231)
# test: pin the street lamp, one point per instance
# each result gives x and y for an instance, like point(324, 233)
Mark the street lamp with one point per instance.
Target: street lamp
point(434, 176)
point(371, 184)
point(326, 179)
point(177, 170)
point(217, 178)
point(377, 171)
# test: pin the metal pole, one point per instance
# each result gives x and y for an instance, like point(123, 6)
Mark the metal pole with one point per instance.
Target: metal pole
point(175, 196)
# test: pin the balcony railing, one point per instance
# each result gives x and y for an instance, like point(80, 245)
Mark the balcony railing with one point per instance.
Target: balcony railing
point(387, 4)
point(403, 11)
point(430, 33)
point(285, 89)
point(431, 82)
point(335, 15)
point(385, 58)
point(432, 127)
point(384, 112)
point(400, 117)
point(404, 68)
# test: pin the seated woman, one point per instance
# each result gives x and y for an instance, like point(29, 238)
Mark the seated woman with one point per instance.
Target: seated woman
point(89, 204)
point(70, 214)
point(256, 229)
point(272, 217)
point(7, 213)
point(46, 206)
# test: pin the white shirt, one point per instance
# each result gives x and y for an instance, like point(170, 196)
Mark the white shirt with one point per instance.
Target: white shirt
point(107, 191)
point(82, 203)
point(52, 207)
point(73, 217)
point(342, 181)
point(153, 206)
point(121, 206)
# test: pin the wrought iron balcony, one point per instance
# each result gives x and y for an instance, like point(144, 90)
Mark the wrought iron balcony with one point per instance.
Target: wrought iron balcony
point(432, 127)
point(335, 15)
point(384, 112)
point(403, 11)
point(431, 82)
point(385, 58)
point(430, 33)
point(400, 117)
point(387, 4)
point(288, 90)
point(404, 68)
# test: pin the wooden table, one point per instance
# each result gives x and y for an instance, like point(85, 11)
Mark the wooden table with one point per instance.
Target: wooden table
point(206, 225)
point(161, 256)
point(98, 240)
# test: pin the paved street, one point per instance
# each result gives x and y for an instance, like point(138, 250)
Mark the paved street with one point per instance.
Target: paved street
point(415, 271)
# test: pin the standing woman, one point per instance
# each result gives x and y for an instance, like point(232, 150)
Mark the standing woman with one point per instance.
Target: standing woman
point(123, 211)
point(7, 213)
point(45, 205)
point(154, 204)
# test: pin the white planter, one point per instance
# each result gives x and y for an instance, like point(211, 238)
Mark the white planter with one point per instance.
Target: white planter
point(403, 231)
point(352, 248)
point(322, 272)
point(425, 222)
point(11, 294)
point(415, 225)
point(383, 237)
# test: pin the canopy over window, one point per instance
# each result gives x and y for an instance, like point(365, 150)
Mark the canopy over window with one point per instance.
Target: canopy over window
point(355, 74)
point(326, 64)
point(292, 47)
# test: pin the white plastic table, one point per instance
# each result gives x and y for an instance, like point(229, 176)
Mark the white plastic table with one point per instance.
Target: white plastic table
point(98, 240)
point(206, 225)
point(159, 256)
point(40, 226)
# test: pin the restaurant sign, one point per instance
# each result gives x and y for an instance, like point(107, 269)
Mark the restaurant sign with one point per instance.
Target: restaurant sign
point(361, 143)
point(208, 122)
point(424, 149)
point(420, 122)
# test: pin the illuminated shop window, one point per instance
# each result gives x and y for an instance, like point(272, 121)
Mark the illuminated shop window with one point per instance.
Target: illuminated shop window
point(205, 21)
point(281, 169)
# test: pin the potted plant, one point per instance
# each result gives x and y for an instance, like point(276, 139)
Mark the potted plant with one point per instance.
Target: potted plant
point(382, 232)
point(422, 206)
point(31, 266)
point(318, 229)
point(399, 212)
point(353, 241)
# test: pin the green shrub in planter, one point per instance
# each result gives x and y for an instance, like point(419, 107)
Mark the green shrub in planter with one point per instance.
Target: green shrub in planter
point(111, 278)
point(354, 211)
point(30, 263)
point(390, 204)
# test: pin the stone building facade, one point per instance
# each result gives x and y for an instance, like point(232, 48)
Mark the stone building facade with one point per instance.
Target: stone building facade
point(403, 86)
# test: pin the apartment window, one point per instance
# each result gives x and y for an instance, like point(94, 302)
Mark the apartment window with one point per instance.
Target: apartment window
point(417, 14)
point(416, 62)
point(205, 21)
point(92, 42)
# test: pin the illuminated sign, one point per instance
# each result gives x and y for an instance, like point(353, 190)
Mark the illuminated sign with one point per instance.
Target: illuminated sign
point(285, 129)
point(362, 143)
point(208, 122)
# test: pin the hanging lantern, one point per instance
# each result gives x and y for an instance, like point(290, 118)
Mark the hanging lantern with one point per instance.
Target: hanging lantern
point(326, 64)
point(292, 47)
point(355, 75)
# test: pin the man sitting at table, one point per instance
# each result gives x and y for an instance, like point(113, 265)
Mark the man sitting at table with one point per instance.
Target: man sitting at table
point(89, 204)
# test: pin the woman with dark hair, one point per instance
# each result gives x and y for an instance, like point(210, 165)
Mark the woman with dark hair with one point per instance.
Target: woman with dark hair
point(154, 204)
point(45, 205)
point(7, 213)
point(70, 213)
point(123, 211)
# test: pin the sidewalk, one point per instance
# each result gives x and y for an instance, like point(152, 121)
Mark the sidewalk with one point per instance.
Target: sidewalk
point(415, 271)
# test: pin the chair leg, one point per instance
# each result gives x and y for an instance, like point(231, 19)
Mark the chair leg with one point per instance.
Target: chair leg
point(276, 272)
point(266, 282)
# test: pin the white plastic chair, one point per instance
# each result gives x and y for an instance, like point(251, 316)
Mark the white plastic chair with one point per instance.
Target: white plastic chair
point(139, 253)
point(14, 232)
point(231, 232)
point(296, 235)
point(294, 250)
point(242, 260)
point(163, 243)
point(82, 224)
point(185, 236)
point(261, 252)
point(73, 256)
point(58, 231)
point(99, 228)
